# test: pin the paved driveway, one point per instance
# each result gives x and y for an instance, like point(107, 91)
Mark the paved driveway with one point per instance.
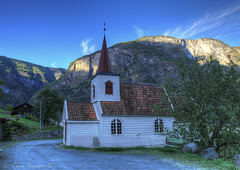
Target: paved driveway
point(43, 154)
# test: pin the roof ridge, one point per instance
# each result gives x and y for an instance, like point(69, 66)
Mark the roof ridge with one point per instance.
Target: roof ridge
point(80, 102)
point(153, 85)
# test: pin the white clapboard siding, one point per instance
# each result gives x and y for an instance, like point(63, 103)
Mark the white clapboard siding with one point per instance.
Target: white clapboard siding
point(64, 118)
point(68, 135)
point(136, 131)
point(99, 82)
point(133, 141)
point(84, 129)
point(82, 134)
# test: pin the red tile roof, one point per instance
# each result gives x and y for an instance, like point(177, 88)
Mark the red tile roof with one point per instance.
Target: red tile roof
point(81, 111)
point(137, 100)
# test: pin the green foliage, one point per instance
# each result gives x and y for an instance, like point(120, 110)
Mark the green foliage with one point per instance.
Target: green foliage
point(51, 104)
point(208, 98)
point(29, 125)
point(1, 82)
point(22, 74)
point(149, 80)
point(5, 115)
point(30, 117)
point(9, 108)
point(229, 151)
point(114, 149)
point(2, 94)
point(13, 127)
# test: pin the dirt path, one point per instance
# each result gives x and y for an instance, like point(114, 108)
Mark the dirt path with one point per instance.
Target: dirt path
point(43, 154)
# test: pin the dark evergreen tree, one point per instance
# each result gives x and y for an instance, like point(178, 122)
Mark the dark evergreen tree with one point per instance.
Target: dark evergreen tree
point(2, 94)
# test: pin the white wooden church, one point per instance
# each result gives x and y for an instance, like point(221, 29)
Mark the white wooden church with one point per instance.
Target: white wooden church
point(119, 115)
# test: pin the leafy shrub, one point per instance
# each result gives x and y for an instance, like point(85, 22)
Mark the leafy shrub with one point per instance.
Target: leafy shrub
point(29, 117)
point(17, 116)
point(9, 108)
point(13, 127)
point(208, 93)
point(229, 151)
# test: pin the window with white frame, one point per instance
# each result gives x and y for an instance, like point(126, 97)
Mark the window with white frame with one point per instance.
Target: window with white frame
point(158, 124)
point(116, 127)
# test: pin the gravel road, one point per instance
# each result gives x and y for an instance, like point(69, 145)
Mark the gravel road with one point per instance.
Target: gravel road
point(44, 154)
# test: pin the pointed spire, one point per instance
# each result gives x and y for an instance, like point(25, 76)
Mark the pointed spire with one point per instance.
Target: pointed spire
point(104, 62)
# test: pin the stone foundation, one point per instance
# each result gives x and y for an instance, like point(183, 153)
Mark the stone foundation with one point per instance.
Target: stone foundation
point(38, 135)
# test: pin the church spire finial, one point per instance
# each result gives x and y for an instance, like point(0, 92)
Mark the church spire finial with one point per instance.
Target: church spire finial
point(104, 27)
point(104, 62)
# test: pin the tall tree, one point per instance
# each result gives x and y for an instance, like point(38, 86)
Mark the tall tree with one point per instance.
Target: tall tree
point(208, 98)
point(2, 94)
point(51, 104)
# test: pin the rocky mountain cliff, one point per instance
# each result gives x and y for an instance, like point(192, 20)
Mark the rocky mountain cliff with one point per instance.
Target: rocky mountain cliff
point(23, 79)
point(146, 60)
point(237, 49)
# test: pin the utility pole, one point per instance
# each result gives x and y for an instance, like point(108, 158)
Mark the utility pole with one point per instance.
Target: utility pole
point(41, 112)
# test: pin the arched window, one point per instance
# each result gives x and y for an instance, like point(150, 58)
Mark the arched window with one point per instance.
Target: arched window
point(158, 124)
point(93, 91)
point(116, 127)
point(108, 87)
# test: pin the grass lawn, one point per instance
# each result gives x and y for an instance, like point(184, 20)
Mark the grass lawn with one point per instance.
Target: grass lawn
point(4, 145)
point(26, 122)
point(1, 110)
point(32, 126)
point(167, 153)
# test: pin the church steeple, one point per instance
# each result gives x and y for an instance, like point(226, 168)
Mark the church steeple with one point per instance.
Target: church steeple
point(104, 62)
point(105, 85)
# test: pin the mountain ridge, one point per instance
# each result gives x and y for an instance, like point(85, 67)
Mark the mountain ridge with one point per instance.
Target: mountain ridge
point(148, 60)
point(23, 79)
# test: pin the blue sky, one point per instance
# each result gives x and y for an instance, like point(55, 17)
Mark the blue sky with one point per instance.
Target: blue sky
point(53, 33)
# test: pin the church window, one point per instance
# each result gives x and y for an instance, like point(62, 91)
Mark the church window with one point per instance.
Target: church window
point(158, 124)
point(109, 87)
point(116, 127)
point(93, 91)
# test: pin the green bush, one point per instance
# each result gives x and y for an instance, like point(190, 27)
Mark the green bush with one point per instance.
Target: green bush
point(17, 116)
point(9, 108)
point(13, 127)
point(29, 117)
point(229, 151)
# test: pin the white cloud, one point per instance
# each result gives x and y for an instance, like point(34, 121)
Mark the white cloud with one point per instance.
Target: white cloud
point(166, 33)
point(211, 24)
point(138, 31)
point(86, 48)
point(176, 31)
point(219, 36)
point(54, 64)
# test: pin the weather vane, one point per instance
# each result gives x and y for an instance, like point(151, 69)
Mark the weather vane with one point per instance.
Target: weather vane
point(104, 27)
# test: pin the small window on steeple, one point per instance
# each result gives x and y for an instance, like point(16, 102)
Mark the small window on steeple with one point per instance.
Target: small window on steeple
point(108, 87)
point(93, 91)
